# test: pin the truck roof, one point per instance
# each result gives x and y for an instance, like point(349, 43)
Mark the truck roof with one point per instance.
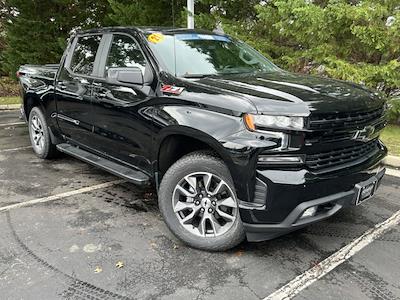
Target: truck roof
point(145, 30)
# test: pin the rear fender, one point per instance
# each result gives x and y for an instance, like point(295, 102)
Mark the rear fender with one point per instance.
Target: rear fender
point(38, 93)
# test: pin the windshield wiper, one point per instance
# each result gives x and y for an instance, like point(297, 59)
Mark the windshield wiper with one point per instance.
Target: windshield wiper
point(247, 71)
point(196, 75)
point(243, 71)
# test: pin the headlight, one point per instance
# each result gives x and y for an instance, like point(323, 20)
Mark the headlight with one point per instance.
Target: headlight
point(254, 122)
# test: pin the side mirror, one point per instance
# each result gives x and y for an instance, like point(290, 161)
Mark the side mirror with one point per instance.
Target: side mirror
point(132, 75)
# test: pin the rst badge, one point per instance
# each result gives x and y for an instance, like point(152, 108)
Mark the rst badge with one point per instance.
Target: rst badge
point(171, 89)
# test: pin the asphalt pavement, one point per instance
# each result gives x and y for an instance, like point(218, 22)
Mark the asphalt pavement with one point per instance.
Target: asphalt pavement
point(64, 235)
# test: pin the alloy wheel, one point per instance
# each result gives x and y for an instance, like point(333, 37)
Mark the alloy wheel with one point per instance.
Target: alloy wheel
point(204, 204)
point(37, 133)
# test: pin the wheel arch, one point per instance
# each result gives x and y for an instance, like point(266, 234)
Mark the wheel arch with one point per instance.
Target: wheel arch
point(181, 140)
point(31, 100)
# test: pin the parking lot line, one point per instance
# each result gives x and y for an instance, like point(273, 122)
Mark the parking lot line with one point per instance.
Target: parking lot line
point(12, 124)
point(15, 149)
point(289, 290)
point(62, 195)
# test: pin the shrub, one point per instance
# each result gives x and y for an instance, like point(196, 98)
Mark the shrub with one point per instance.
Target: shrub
point(394, 110)
point(8, 87)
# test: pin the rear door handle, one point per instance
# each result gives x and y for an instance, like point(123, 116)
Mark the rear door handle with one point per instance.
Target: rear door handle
point(61, 86)
point(97, 90)
point(100, 95)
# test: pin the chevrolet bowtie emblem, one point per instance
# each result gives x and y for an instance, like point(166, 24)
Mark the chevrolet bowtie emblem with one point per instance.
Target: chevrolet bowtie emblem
point(364, 134)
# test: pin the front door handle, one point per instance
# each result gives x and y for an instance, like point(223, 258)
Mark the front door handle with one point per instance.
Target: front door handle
point(125, 90)
point(83, 81)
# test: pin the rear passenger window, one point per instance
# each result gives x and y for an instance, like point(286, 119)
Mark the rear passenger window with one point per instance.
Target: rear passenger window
point(82, 61)
point(125, 53)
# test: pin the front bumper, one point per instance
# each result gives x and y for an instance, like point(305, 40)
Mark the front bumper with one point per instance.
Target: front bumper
point(290, 193)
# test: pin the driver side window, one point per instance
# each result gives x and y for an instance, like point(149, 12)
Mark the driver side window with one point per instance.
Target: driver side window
point(125, 53)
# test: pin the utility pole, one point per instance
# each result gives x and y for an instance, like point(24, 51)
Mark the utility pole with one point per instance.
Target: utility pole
point(190, 17)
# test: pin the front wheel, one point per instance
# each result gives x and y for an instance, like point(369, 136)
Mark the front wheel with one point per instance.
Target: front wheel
point(198, 202)
point(39, 135)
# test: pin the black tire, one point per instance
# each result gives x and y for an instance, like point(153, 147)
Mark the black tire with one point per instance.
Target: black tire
point(46, 150)
point(192, 163)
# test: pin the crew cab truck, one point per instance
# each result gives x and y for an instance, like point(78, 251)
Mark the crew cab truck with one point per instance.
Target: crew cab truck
point(235, 146)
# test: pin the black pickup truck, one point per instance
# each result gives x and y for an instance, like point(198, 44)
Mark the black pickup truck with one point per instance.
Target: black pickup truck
point(235, 146)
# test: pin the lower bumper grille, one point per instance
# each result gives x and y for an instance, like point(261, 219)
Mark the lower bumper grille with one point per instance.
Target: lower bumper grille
point(342, 156)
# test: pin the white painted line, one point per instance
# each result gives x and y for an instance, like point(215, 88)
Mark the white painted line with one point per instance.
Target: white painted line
point(12, 124)
point(289, 290)
point(392, 172)
point(62, 195)
point(15, 149)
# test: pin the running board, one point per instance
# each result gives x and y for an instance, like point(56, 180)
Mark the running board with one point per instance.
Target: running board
point(132, 175)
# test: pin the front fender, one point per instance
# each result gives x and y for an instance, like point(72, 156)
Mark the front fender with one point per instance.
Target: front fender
point(225, 134)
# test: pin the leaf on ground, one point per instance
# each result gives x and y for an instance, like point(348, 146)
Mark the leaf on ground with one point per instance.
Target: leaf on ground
point(98, 269)
point(239, 253)
point(119, 264)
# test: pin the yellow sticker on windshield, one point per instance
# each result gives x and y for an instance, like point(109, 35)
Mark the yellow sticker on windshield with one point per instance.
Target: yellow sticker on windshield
point(155, 38)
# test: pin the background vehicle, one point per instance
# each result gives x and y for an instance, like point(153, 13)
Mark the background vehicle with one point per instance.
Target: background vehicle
point(235, 146)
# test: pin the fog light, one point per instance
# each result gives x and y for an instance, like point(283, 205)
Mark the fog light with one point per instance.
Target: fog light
point(309, 212)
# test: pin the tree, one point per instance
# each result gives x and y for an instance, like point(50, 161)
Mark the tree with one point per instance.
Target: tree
point(357, 40)
point(351, 40)
point(146, 12)
point(36, 31)
point(209, 13)
point(2, 34)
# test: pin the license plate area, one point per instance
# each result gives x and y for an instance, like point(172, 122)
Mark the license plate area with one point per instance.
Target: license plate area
point(365, 190)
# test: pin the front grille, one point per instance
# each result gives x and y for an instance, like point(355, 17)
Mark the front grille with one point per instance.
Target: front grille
point(328, 136)
point(342, 156)
point(344, 120)
point(337, 135)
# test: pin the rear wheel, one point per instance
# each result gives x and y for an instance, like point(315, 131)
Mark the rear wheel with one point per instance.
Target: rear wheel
point(39, 134)
point(198, 202)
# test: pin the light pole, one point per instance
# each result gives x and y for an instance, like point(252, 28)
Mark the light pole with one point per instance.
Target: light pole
point(190, 17)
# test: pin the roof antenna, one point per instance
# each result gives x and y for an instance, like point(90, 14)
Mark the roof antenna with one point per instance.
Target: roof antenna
point(218, 28)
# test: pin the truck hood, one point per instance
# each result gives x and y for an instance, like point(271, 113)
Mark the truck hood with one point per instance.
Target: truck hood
point(284, 92)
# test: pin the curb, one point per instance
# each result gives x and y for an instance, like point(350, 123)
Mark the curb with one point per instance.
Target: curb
point(392, 172)
point(10, 106)
point(392, 161)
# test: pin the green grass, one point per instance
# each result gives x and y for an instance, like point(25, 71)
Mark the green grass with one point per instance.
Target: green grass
point(9, 100)
point(391, 138)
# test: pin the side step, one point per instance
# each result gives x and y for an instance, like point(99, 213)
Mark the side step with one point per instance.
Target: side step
point(132, 175)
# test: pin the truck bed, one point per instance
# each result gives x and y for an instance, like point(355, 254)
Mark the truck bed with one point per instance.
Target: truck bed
point(47, 71)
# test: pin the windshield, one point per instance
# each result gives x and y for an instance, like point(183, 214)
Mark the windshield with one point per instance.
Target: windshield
point(197, 55)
